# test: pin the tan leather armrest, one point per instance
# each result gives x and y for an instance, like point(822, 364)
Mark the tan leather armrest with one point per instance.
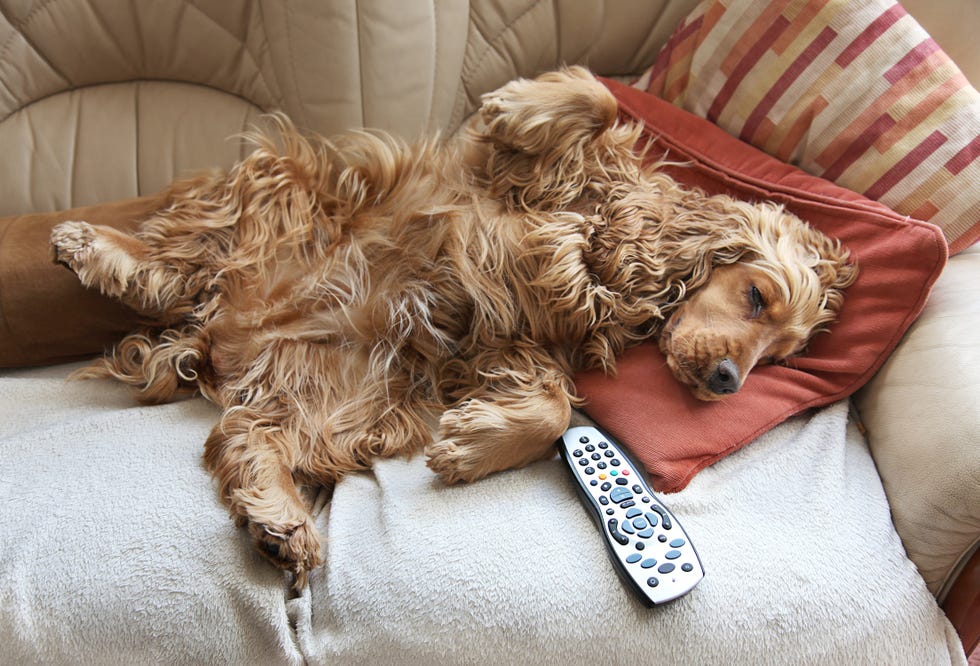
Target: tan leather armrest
point(922, 412)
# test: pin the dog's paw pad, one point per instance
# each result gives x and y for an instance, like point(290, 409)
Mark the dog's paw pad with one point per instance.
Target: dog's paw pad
point(71, 242)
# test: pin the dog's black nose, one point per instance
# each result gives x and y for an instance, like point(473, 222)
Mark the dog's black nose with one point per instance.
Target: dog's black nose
point(725, 378)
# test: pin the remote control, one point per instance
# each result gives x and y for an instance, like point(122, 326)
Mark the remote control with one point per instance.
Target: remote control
point(648, 547)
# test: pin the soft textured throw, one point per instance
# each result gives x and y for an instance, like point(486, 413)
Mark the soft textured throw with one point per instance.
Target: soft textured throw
point(114, 549)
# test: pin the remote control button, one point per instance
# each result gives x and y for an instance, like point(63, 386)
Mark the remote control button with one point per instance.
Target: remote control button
point(626, 527)
point(620, 494)
point(596, 456)
point(583, 439)
point(610, 511)
point(687, 566)
point(577, 453)
point(652, 518)
point(646, 534)
point(601, 465)
point(593, 482)
point(666, 567)
point(583, 461)
point(645, 499)
point(590, 448)
point(616, 461)
point(603, 445)
point(633, 558)
point(639, 523)
point(677, 543)
point(633, 513)
point(672, 554)
point(637, 488)
point(620, 480)
point(652, 581)
point(609, 454)
point(606, 485)
point(662, 538)
point(614, 473)
point(603, 500)
point(626, 472)
point(590, 470)
point(640, 545)
point(620, 538)
point(647, 563)
point(663, 516)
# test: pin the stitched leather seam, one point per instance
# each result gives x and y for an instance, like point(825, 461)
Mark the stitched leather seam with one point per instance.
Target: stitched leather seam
point(469, 69)
point(19, 30)
point(125, 82)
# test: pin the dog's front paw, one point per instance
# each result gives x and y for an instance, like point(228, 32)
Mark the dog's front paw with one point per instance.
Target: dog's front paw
point(466, 438)
point(294, 548)
point(449, 461)
point(72, 243)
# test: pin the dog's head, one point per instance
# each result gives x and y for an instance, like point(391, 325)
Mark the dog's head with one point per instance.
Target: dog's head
point(786, 285)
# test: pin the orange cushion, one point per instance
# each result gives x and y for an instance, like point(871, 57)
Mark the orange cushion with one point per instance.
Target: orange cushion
point(671, 432)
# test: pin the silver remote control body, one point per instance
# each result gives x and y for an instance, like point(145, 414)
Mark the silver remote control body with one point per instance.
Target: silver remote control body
point(649, 549)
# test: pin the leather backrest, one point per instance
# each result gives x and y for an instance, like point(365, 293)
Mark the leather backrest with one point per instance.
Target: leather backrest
point(106, 99)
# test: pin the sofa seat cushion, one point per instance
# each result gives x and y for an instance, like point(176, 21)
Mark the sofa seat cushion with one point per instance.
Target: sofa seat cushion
point(801, 564)
point(114, 546)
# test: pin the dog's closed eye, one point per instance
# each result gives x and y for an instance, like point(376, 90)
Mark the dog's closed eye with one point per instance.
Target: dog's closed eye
point(757, 302)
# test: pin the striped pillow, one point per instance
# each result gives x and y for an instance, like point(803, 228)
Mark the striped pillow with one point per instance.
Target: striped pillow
point(855, 92)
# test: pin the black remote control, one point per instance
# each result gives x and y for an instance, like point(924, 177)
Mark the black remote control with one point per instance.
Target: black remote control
point(650, 550)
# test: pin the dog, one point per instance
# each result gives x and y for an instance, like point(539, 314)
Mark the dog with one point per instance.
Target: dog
point(331, 295)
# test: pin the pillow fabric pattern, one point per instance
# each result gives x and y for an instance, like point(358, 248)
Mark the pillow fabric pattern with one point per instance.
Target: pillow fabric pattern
point(673, 434)
point(854, 92)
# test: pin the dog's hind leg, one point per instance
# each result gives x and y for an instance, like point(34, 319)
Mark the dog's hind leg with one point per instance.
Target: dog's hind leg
point(510, 420)
point(252, 458)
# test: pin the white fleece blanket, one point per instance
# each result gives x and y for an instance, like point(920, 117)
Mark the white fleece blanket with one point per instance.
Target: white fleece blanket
point(115, 549)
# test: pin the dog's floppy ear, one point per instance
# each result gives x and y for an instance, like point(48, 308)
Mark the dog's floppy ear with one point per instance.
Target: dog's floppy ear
point(836, 271)
point(545, 136)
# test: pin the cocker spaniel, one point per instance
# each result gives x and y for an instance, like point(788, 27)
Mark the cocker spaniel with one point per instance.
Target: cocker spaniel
point(330, 295)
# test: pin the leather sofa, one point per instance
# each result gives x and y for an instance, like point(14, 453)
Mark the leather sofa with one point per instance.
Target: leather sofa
point(104, 100)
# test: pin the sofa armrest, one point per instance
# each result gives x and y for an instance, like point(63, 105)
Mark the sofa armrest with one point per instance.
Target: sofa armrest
point(922, 412)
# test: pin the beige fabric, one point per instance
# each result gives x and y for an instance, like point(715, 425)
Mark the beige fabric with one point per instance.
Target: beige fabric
point(108, 99)
point(922, 411)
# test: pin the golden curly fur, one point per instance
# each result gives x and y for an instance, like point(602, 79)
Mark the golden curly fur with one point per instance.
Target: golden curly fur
point(330, 295)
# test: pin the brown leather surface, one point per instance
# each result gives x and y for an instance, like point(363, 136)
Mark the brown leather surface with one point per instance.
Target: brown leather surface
point(962, 604)
point(46, 316)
